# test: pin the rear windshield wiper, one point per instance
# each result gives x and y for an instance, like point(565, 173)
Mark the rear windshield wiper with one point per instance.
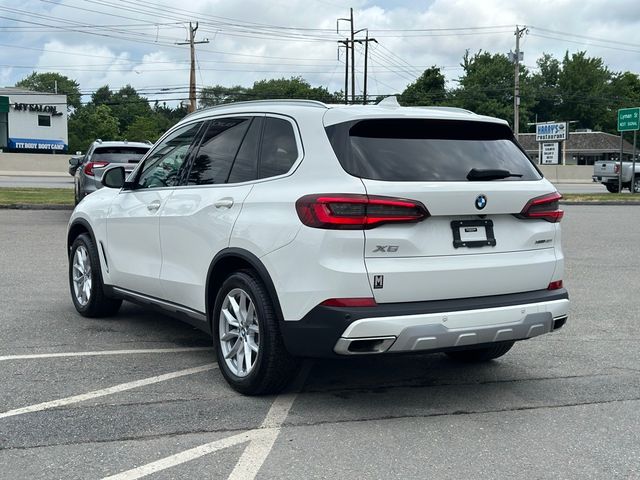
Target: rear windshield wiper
point(490, 174)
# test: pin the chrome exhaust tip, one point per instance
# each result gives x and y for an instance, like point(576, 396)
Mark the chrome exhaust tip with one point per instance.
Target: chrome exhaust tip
point(363, 346)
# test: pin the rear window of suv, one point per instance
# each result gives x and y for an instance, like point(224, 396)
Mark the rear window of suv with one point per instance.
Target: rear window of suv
point(427, 150)
point(119, 154)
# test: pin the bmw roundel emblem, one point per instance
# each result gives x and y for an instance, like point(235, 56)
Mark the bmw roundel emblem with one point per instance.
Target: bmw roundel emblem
point(481, 202)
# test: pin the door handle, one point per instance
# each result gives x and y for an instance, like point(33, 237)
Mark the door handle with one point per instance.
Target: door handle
point(153, 206)
point(224, 203)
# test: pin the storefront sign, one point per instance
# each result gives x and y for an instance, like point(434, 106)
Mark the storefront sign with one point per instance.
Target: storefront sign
point(551, 131)
point(550, 153)
point(35, 144)
point(36, 107)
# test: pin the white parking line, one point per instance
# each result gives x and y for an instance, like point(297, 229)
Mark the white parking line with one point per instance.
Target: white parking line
point(257, 451)
point(185, 456)
point(103, 352)
point(107, 391)
point(254, 456)
point(251, 460)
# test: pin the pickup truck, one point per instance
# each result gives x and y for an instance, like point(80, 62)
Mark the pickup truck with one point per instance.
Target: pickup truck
point(606, 172)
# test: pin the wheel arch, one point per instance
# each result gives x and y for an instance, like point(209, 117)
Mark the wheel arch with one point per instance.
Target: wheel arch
point(230, 260)
point(77, 228)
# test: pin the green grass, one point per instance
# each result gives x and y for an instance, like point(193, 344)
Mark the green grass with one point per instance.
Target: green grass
point(36, 196)
point(601, 197)
point(64, 196)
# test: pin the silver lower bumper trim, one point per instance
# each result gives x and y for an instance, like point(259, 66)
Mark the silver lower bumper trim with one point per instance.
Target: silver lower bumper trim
point(437, 336)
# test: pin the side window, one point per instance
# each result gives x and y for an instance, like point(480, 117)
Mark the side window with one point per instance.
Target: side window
point(164, 165)
point(245, 166)
point(279, 149)
point(218, 149)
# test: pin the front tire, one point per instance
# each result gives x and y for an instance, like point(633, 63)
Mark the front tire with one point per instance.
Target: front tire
point(85, 280)
point(250, 351)
point(478, 355)
point(636, 184)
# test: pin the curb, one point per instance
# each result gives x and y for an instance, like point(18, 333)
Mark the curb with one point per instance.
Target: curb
point(35, 206)
point(34, 173)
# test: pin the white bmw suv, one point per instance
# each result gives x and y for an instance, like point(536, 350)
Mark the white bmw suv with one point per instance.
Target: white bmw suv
point(292, 228)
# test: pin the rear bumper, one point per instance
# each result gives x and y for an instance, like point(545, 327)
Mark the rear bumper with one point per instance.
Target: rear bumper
point(425, 326)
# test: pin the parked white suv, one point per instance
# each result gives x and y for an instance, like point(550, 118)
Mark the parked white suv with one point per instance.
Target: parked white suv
point(293, 228)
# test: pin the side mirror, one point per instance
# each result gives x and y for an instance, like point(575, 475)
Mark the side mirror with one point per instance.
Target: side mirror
point(113, 177)
point(75, 161)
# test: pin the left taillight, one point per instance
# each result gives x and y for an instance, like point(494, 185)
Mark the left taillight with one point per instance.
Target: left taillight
point(357, 212)
point(88, 168)
point(545, 207)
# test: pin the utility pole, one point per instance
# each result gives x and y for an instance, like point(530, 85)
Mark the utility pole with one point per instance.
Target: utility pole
point(516, 58)
point(353, 60)
point(366, 62)
point(348, 44)
point(192, 76)
point(345, 42)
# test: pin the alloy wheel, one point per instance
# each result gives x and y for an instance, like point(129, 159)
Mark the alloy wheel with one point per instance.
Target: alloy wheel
point(239, 332)
point(82, 276)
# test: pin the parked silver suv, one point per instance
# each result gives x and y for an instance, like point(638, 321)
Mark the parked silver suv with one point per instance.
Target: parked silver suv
point(88, 169)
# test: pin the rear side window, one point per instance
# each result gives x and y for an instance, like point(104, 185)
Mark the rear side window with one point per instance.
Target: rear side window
point(427, 150)
point(119, 154)
point(217, 151)
point(245, 166)
point(279, 148)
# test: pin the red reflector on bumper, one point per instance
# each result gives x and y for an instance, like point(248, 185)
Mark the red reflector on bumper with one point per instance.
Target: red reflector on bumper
point(350, 302)
point(555, 285)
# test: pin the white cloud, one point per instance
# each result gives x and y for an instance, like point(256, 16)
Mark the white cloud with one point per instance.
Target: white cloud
point(154, 61)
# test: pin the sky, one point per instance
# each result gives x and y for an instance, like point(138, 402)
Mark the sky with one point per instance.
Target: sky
point(120, 42)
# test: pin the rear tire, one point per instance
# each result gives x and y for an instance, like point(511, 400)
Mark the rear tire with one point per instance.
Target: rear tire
point(245, 326)
point(477, 355)
point(85, 280)
point(76, 193)
point(612, 188)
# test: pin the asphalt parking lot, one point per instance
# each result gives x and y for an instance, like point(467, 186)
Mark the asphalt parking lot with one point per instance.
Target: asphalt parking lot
point(140, 394)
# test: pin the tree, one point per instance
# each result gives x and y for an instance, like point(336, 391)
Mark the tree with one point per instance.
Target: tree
point(623, 91)
point(46, 82)
point(218, 95)
point(294, 87)
point(486, 87)
point(583, 83)
point(127, 105)
point(102, 96)
point(89, 123)
point(144, 128)
point(428, 89)
point(545, 89)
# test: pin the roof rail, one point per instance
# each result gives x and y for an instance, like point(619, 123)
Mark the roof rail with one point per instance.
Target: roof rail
point(287, 101)
point(448, 109)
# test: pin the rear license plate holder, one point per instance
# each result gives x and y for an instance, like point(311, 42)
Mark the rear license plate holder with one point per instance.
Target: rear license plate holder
point(473, 233)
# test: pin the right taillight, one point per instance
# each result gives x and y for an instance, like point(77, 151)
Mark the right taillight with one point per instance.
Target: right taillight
point(357, 212)
point(616, 168)
point(88, 168)
point(545, 207)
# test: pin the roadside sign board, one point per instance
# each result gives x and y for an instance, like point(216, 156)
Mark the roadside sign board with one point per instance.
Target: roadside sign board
point(546, 132)
point(628, 119)
point(550, 153)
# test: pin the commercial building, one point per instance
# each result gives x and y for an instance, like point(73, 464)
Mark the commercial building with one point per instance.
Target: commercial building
point(583, 147)
point(33, 122)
